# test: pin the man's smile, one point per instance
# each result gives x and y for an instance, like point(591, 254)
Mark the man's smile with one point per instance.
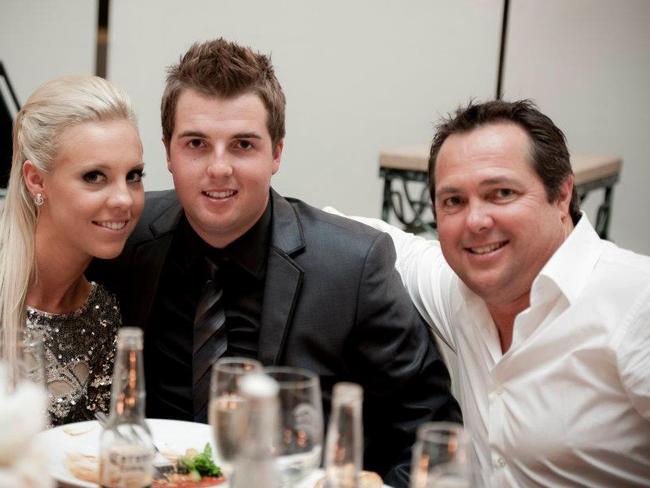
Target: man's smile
point(488, 248)
point(219, 195)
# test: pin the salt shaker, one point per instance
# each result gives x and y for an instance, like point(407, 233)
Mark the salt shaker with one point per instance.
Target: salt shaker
point(255, 464)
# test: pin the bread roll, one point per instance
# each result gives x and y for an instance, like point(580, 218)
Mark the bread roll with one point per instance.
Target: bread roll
point(83, 467)
point(368, 479)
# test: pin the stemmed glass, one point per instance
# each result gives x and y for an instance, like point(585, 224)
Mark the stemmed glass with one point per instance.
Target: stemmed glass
point(441, 457)
point(24, 359)
point(23, 411)
point(226, 413)
point(33, 358)
point(301, 422)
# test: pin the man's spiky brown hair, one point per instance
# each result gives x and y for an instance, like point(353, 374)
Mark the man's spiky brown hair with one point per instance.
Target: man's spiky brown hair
point(224, 69)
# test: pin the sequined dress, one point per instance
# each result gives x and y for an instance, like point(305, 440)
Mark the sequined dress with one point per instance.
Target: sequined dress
point(79, 355)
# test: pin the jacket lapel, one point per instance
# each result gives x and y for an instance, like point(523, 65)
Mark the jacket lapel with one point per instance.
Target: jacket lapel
point(283, 280)
point(148, 261)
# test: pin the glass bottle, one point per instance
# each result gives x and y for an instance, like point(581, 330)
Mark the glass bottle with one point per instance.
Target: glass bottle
point(344, 444)
point(126, 447)
point(255, 464)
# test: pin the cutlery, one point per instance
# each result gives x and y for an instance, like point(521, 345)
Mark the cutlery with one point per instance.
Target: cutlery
point(161, 465)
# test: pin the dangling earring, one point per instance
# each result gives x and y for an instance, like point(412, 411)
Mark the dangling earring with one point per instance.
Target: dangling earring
point(38, 199)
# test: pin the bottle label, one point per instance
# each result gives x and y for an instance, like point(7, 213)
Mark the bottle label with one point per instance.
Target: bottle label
point(126, 466)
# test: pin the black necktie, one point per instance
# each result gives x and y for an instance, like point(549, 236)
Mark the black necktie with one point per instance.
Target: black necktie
point(210, 340)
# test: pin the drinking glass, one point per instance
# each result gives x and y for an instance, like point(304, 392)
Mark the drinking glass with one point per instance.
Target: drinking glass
point(24, 359)
point(441, 457)
point(33, 359)
point(301, 422)
point(226, 412)
point(23, 404)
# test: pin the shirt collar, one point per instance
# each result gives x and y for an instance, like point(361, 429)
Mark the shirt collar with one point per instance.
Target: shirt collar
point(193, 248)
point(250, 251)
point(570, 266)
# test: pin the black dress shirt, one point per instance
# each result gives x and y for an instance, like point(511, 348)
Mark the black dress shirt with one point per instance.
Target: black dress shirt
point(168, 338)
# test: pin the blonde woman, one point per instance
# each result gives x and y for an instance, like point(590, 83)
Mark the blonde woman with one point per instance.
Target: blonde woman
point(75, 192)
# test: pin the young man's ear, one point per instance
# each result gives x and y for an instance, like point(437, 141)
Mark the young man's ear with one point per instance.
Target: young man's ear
point(166, 153)
point(33, 178)
point(277, 155)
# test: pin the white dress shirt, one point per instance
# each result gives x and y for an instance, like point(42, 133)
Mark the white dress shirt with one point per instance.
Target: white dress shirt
point(569, 403)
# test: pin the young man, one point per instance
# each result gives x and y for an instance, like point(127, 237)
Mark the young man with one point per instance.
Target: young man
point(551, 324)
point(299, 287)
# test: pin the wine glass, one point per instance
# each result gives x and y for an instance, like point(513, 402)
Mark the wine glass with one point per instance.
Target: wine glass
point(33, 358)
point(441, 457)
point(301, 422)
point(23, 414)
point(24, 358)
point(226, 412)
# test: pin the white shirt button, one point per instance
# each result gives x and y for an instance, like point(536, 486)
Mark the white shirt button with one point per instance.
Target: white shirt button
point(499, 462)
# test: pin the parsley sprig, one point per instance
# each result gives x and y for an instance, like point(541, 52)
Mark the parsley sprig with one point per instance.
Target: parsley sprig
point(199, 464)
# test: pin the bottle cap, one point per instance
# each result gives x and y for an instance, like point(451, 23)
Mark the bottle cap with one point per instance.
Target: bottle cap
point(130, 337)
point(346, 392)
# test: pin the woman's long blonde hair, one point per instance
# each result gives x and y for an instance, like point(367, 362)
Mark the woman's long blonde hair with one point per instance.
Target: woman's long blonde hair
point(52, 108)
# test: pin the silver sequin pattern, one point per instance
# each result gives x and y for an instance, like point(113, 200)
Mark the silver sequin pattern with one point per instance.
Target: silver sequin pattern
point(79, 356)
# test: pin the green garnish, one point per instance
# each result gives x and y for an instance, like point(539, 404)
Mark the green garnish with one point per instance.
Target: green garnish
point(200, 464)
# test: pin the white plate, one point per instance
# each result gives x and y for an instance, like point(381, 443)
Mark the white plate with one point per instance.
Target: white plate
point(83, 438)
point(168, 435)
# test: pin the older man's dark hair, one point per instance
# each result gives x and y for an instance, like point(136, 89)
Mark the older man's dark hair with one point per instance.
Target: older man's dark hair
point(549, 152)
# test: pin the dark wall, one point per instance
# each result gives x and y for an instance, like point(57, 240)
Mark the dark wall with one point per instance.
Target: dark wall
point(6, 124)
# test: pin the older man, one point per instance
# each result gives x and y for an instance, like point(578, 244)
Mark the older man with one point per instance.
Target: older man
point(551, 325)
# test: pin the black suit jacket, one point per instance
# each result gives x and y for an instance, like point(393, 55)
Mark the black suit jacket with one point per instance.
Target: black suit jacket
point(333, 303)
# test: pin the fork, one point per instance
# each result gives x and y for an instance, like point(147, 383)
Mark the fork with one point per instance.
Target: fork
point(161, 464)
